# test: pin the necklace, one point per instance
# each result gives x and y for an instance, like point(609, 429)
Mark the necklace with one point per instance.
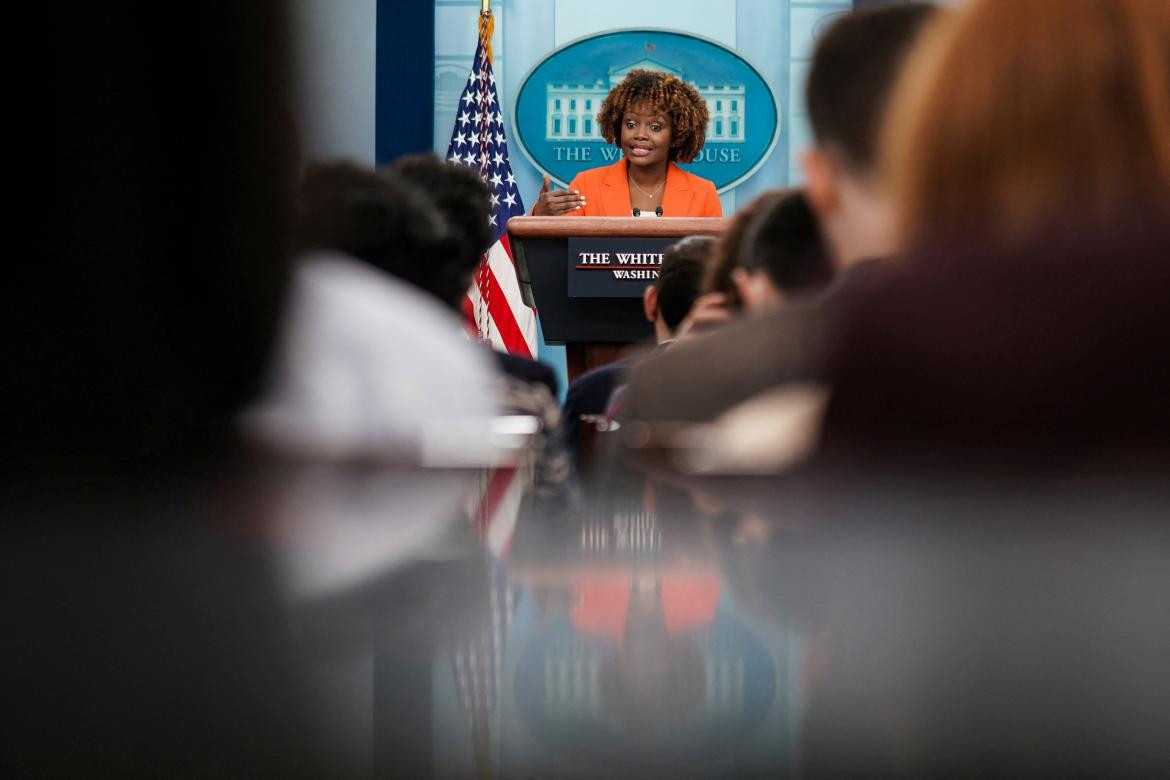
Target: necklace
point(649, 195)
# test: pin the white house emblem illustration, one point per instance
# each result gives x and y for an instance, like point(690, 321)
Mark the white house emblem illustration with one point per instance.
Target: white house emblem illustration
point(572, 108)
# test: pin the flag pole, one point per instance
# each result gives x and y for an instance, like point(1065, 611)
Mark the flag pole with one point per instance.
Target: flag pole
point(486, 26)
point(483, 317)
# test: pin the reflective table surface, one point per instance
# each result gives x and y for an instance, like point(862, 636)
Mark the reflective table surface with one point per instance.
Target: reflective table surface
point(364, 621)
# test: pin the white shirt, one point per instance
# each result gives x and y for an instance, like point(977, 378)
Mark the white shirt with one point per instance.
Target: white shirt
point(370, 366)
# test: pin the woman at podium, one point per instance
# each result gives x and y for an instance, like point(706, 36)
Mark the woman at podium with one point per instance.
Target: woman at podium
point(655, 120)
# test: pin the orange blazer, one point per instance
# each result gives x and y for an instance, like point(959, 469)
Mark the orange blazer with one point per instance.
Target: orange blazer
point(607, 193)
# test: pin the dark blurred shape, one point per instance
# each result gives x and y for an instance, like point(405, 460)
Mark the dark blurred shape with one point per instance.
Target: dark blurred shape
point(151, 641)
point(855, 67)
point(1051, 352)
point(464, 201)
point(856, 63)
point(385, 220)
point(730, 249)
point(460, 195)
point(784, 241)
point(772, 250)
point(148, 320)
point(148, 637)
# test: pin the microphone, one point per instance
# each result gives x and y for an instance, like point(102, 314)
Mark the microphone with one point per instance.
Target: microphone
point(658, 211)
point(637, 212)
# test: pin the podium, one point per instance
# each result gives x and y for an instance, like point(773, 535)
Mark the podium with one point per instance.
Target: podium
point(585, 277)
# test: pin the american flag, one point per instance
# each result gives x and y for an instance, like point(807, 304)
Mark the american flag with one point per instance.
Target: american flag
point(494, 304)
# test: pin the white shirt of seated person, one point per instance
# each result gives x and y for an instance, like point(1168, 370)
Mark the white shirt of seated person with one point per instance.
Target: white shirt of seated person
point(369, 365)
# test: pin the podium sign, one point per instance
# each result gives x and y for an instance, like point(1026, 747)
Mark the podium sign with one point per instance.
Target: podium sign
point(614, 267)
point(594, 310)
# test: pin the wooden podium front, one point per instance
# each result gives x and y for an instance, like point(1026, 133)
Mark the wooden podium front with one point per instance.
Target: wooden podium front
point(594, 330)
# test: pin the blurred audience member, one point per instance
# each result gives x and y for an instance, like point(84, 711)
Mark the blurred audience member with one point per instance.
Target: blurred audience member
point(460, 197)
point(370, 366)
point(1015, 117)
point(1030, 153)
point(668, 301)
point(773, 252)
point(464, 201)
point(666, 304)
point(145, 326)
point(853, 69)
point(719, 298)
point(148, 637)
point(784, 256)
point(390, 223)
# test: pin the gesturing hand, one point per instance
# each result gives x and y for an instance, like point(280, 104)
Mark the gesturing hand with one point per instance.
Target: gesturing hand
point(554, 203)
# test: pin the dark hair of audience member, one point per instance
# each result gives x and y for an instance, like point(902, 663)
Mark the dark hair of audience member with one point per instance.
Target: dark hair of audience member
point(784, 241)
point(151, 326)
point(382, 219)
point(1012, 115)
point(683, 266)
point(729, 250)
point(464, 201)
point(854, 68)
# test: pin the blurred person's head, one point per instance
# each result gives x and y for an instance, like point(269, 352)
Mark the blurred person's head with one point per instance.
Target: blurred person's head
point(381, 218)
point(464, 201)
point(667, 302)
point(784, 255)
point(854, 68)
point(729, 250)
point(1013, 115)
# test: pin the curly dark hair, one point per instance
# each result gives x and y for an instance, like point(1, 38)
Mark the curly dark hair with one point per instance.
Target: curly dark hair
point(677, 99)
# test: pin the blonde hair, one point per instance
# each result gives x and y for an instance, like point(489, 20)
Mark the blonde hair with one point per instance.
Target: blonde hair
point(1012, 114)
